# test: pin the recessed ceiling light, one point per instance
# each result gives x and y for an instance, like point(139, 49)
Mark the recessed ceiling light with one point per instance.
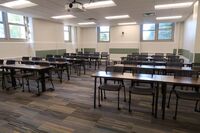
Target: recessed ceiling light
point(99, 4)
point(175, 5)
point(63, 17)
point(168, 17)
point(128, 23)
point(18, 4)
point(86, 23)
point(117, 17)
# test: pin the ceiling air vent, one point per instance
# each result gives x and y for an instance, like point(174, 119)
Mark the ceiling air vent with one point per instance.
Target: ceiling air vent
point(91, 19)
point(149, 14)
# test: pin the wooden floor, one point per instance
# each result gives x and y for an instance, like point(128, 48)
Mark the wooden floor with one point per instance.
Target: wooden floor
point(70, 109)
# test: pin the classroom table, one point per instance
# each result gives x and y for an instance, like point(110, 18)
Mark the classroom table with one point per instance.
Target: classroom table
point(40, 69)
point(58, 64)
point(161, 69)
point(157, 79)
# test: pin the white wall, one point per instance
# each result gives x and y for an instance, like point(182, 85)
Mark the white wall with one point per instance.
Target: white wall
point(189, 33)
point(130, 39)
point(14, 49)
point(49, 35)
point(163, 47)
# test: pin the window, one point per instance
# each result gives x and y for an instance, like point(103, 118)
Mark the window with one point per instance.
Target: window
point(2, 29)
point(148, 31)
point(13, 26)
point(165, 31)
point(67, 33)
point(157, 32)
point(17, 26)
point(103, 33)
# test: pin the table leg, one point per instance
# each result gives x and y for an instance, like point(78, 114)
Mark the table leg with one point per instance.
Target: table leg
point(163, 99)
point(68, 76)
point(95, 87)
point(42, 80)
point(95, 64)
point(13, 78)
point(156, 104)
point(61, 73)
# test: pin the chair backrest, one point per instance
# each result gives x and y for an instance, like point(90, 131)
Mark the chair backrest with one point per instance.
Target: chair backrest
point(57, 56)
point(115, 69)
point(159, 59)
point(49, 55)
point(1, 62)
point(25, 58)
point(36, 58)
point(96, 53)
point(66, 54)
point(174, 64)
point(135, 54)
point(60, 59)
point(193, 74)
point(159, 54)
point(142, 58)
point(51, 59)
point(28, 62)
point(79, 52)
point(144, 54)
point(10, 62)
point(104, 54)
point(43, 64)
point(169, 54)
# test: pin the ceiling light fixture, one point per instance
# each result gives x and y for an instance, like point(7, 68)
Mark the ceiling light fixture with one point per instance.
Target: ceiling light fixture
point(175, 5)
point(99, 4)
point(117, 17)
point(63, 17)
point(18, 4)
point(128, 23)
point(86, 23)
point(168, 17)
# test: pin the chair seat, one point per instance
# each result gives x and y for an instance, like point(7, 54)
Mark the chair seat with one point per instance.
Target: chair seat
point(109, 87)
point(188, 95)
point(142, 90)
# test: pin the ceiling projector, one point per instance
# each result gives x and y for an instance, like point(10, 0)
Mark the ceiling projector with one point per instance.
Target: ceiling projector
point(75, 7)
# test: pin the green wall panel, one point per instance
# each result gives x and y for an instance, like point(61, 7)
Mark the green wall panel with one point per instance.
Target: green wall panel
point(197, 58)
point(89, 50)
point(186, 53)
point(180, 51)
point(123, 50)
point(43, 53)
point(175, 51)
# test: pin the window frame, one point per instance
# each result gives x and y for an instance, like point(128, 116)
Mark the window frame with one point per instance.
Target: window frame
point(7, 29)
point(98, 35)
point(157, 33)
point(3, 22)
point(69, 31)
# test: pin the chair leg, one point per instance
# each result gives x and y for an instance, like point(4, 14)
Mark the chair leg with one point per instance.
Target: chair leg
point(118, 99)
point(195, 109)
point(170, 96)
point(38, 86)
point(129, 107)
point(99, 97)
point(124, 94)
point(104, 94)
point(28, 84)
point(124, 91)
point(52, 84)
point(153, 104)
point(22, 84)
point(176, 109)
